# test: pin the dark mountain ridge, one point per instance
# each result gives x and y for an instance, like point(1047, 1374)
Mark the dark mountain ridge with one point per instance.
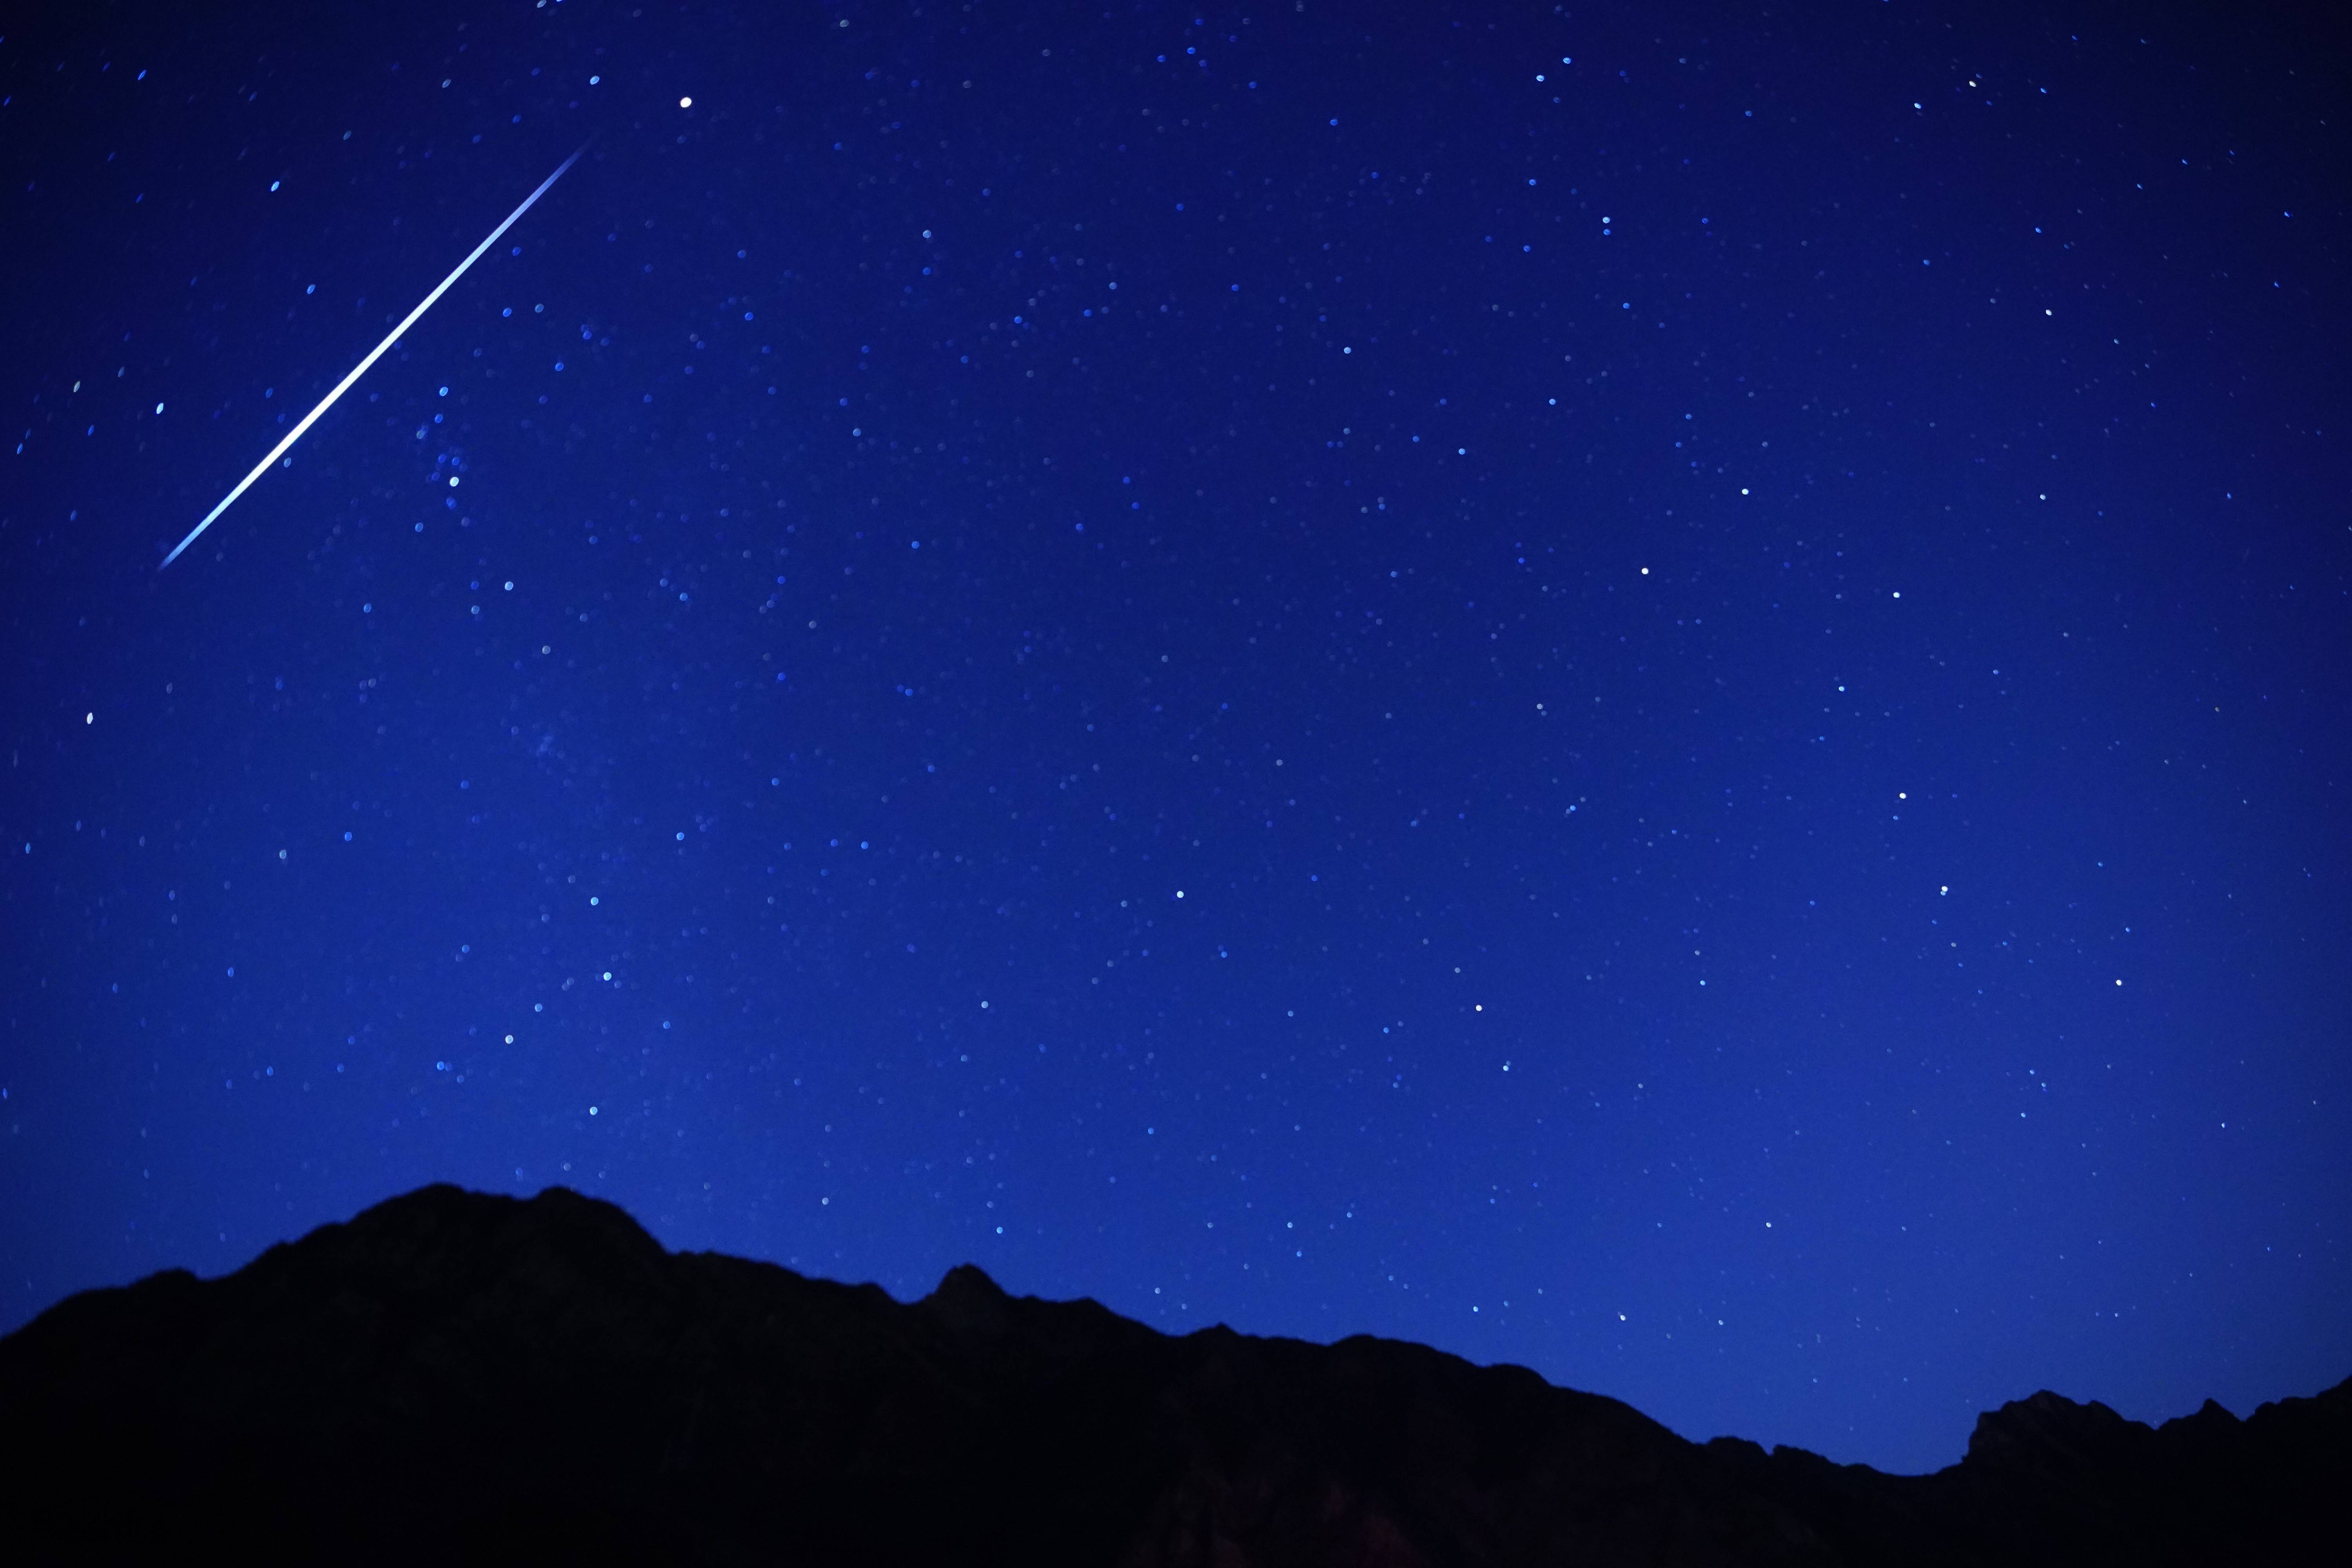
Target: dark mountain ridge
point(456, 1377)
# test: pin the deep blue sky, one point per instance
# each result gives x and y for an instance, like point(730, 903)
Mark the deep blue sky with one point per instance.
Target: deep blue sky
point(1660, 692)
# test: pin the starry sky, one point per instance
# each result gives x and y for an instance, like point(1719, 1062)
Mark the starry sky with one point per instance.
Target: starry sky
point(1654, 690)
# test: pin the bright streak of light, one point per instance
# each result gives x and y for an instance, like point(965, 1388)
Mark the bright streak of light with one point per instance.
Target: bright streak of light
point(361, 368)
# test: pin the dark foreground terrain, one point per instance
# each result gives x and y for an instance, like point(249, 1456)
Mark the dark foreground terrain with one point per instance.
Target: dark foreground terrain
point(459, 1377)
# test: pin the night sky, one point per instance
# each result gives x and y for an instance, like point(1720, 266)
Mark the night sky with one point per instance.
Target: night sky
point(1655, 691)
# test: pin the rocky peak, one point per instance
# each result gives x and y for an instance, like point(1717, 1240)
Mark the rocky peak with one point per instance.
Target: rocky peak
point(2047, 1427)
point(970, 1304)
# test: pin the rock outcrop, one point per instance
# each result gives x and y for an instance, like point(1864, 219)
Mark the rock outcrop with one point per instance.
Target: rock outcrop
point(457, 1377)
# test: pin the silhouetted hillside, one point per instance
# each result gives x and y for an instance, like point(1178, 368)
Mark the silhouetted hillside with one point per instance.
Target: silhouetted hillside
point(453, 1376)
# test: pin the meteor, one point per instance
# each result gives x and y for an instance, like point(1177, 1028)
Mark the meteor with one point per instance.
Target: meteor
point(361, 368)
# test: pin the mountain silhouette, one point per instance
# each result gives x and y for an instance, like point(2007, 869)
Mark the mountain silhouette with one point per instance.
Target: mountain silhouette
point(454, 1376)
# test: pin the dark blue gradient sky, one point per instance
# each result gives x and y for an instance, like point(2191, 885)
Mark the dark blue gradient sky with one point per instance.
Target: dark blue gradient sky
point(1656, 691)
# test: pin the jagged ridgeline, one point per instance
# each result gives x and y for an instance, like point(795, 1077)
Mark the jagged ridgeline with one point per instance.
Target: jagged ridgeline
point(459, 1377)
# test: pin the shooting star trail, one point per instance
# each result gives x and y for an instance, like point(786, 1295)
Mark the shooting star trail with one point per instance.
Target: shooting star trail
point(361, 368)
